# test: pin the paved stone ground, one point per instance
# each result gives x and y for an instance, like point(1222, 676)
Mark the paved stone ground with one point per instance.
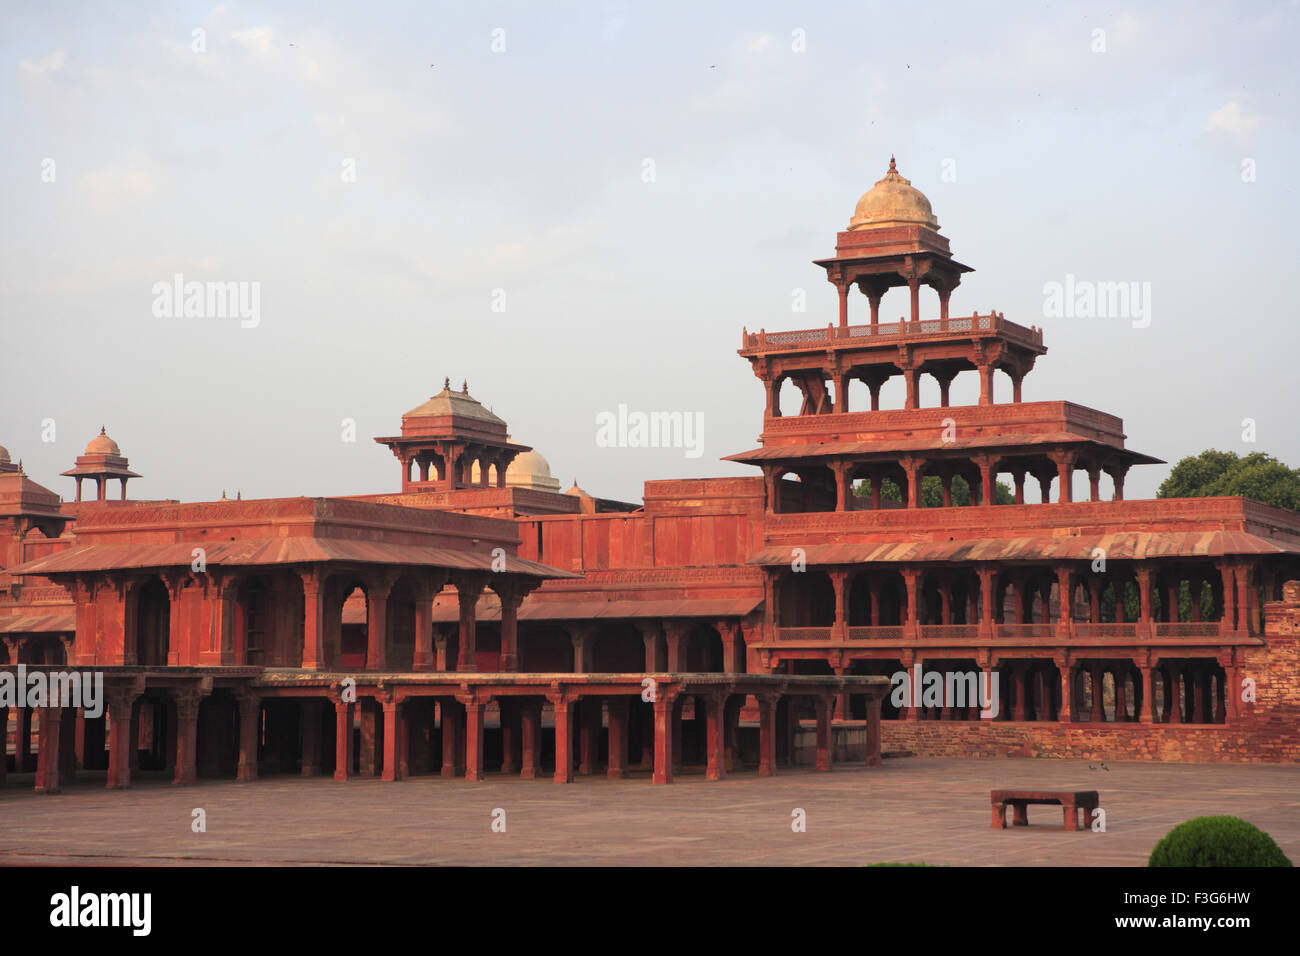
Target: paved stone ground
point(908, 810)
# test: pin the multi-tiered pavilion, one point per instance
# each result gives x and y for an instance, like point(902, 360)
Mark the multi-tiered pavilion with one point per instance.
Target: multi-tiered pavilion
point(478, 620)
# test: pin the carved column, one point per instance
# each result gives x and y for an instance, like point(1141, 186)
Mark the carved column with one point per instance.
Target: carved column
point(767, 733)
point(839, 581)
point(531, 739)
point(187, 735)
point(250, 706)
point(824, 743)
point(716, 733)
point(343, 713)
point(392, 736)
point(618, 713)
point(468, 589)
point(511, 594)
point(473, 705)
point(49, 748)
point(1067, 689)
point(313, 630)
point(1145, 628)
point(562, 705)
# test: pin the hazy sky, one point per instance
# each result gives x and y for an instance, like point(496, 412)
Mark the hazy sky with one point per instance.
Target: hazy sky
point(523, 170)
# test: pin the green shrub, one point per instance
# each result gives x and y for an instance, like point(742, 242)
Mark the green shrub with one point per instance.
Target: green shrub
point(1217, 841)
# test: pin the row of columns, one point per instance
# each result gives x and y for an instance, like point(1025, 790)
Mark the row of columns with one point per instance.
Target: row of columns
point(453, 464)
point(1240, 605)
point(463, 734)
point(983, 470)
point(62, 739)
point(462, 729)
point(1204, 695)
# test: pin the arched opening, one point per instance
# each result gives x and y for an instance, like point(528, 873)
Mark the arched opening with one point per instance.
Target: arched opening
point(353, 627)
point(789, 399)
point(153, 624)
point(893, 393)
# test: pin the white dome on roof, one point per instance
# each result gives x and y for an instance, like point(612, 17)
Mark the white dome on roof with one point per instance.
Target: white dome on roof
point(531, 470)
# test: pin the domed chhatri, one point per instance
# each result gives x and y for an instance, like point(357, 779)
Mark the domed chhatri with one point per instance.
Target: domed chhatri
point(103, 460)
point(893, 201)
point(101, 444)
point(454, 442)
point(4, 455)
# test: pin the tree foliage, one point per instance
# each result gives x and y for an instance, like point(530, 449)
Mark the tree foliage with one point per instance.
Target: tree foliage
point(932, 491)
point(1257, 475)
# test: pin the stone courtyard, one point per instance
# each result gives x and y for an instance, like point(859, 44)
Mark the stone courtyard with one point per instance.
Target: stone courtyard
point(907, 810)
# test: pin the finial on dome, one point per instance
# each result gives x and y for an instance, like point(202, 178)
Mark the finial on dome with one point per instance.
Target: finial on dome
point(464, 386)
point(892, 167)
point(101, 430)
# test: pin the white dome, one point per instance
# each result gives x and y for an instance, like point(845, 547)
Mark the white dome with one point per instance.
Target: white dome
point(531, 470)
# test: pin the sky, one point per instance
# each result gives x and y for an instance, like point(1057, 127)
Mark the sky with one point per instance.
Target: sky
point(579, 206)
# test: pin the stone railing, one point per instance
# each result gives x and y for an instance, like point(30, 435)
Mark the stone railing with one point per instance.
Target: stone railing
point(883, 632)
point(1016, 631)
point(856, 336)
point(803, 634)
point(1187, 629)
point(1110, 629)
point(947, 632)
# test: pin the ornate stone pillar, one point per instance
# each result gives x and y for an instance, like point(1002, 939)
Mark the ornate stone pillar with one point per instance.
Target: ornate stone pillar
point(1067, 690)
point(766, 733)
point(562, 705)
point(343, 715)
point(468, 589)
point(531, 739)
point(473, 704)
point(675, 632)
point(121, 701)
point(618, 714)
point(824, 743)
point(652, 634)
point(49, 750)
point(313, 627)
point(187, 735)
point(839, 582)
point(250, 707)
point(873, 753)
point(1145, 628)
point(716, 734)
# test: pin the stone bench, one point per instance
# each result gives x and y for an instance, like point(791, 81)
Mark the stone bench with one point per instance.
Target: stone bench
point(1070, 802)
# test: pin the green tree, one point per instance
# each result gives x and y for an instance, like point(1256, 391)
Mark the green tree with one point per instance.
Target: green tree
point(1257, 475)
point(932, 491)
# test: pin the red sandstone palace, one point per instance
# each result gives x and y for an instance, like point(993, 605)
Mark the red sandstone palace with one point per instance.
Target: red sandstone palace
point(479, 620)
